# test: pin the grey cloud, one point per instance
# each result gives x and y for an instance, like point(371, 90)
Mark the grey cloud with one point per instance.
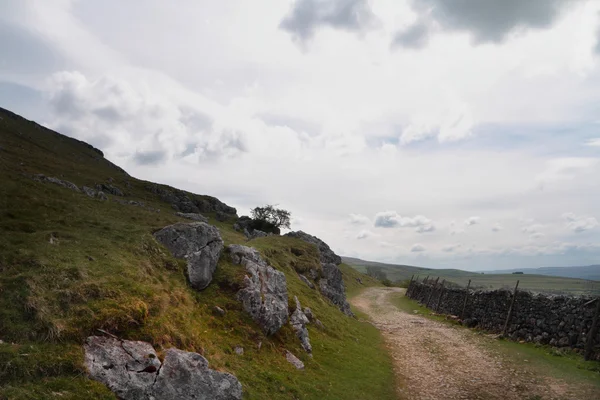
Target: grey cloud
point(417, 248)
point(296, 124)
point(491, 20)
point(152, 157)
point(195, 120)
point(306, 16)
point(391, 219)
point(414, 37)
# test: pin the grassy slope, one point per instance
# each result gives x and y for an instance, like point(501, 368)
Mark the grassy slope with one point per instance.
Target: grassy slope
point(105, 271)
point(536, 283)
point(547, 361)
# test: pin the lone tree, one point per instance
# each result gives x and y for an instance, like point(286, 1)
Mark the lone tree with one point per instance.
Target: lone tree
point(276, 217)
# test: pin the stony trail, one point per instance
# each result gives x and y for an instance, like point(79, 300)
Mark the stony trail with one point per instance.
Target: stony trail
point(435, 361)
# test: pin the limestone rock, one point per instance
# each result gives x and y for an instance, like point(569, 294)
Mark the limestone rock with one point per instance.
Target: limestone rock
point(108, 188)
point(186, 376)
point(219, 311)
point(56, 181)
point(128, 368)
point(199, 243)
point(133, 372)
point(305, 280)
point(264, 295)
point(102, 196)
point(298, 320)
point(327, 255)
point(309, 314)
point(295, 361)
point(193, 216)
point(332, 287)
point(257, 234)
point(89, 191)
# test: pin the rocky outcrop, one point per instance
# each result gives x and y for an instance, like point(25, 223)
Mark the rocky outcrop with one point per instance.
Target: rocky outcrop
point(298, 321)
point(56, 181)
point(305, 280)
point(187, 203)
point(193, 216)
point(199, 243)
point(327, 255)
point(331, 282)
point(332, 287)
point(133, 371)
point(264, 295)
point(89, 191)
point(108, 188)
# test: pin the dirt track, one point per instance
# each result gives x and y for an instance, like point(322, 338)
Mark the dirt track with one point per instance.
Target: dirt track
point(435, 361)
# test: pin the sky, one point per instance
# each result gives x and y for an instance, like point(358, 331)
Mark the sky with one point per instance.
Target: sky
point(439, 133)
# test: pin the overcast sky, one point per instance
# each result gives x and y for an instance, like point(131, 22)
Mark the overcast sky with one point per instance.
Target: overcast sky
point(440, 133)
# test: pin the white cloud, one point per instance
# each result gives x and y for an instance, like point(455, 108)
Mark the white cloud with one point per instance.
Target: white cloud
point(358, 219)
point(364, 234)
point(391, 219)
point(595, 142)
point(579, 223)
point(451, 247)
point(472, 221)
point(497, 228)
point(417, 248)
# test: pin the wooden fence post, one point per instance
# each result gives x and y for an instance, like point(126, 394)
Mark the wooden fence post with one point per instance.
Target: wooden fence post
point(464, 307)
point(437, 307)
point(510, 310)
point(431, 293)
point(589, 346)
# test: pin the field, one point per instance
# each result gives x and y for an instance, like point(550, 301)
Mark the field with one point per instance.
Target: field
point(534, 283)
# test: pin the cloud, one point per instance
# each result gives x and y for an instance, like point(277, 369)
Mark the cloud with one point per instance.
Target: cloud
point(490, 20)
point(595, 142)
point(578, 223)
point(358, 219)
point(413, 37)
point(307, 16)
point(497, 228)
point(452, 120)
point(565, 168)
point(471, 221)
point(451, 247)
point(391, 219)
point(365, 234)
point(417, 248)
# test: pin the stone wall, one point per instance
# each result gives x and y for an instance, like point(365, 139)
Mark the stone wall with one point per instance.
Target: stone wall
point(560, 321)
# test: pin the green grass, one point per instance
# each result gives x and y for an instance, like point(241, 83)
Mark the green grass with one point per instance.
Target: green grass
point(70, 265)
point(535, 283)
point(546, 361)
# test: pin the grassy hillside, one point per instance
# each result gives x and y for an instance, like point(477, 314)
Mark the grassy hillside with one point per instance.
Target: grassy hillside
point(536, 283)
point(71, 264)
point(590, 272)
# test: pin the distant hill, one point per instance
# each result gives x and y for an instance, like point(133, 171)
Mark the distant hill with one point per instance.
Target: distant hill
point(533, 279)
point(591, 272)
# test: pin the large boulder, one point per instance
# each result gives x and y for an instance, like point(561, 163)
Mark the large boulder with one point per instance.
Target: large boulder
point(133, 371)
point(128, 368)
point(186, 376)
point(199, 243)
point(332, 287)
point(298, 321)
point(326, 254)
point(56, 181)
point(193, 216)
point(189, 203)
point(264, 295)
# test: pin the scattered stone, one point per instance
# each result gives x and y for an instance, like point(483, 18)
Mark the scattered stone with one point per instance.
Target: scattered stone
point(239, 350)
point(264, 296)
point(219, 311)
point(298, 320)
point(53, 240)
point(102, 196)
point(90, 258)
point(256, 234)
point(199, 243)
point(305, 280)
point(89, 191)
point(295, 361)
point(102, 187)
point(332, 287)
point(359, 281)
point(193, 216)
point(309, 314)
point(133, 371)
point(319, 324)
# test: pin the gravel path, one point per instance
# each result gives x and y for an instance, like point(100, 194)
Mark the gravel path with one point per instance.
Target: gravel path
point(435, 361)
